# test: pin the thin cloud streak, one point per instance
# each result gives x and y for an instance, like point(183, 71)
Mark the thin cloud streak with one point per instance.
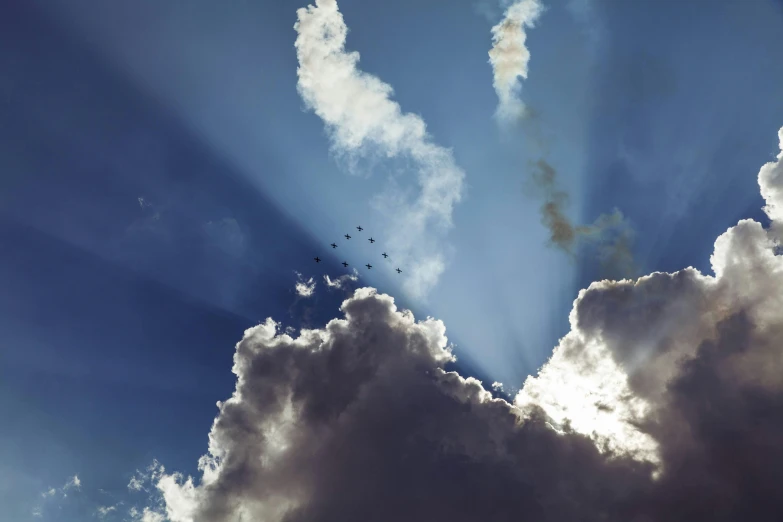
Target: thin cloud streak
point(362, 120)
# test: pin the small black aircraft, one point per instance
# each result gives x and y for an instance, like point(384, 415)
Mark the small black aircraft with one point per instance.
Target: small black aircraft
point(368, 265)
point(334, 246)
point(371, 240)
point(317, 259)
point(399, 271)
point(359, 229)
point(385, 255)
point(347, 236)
point(345, 264)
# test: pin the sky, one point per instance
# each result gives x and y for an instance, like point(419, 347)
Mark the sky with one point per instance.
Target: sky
point(170, 170)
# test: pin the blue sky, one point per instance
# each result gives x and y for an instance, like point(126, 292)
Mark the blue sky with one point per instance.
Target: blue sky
point(120, 314)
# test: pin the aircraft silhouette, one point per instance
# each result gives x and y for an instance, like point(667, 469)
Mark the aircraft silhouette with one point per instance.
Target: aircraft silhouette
point(347, 236)
point(345, 264)
point(334, 246)
point(399, 271)
point(385, 255)
point(368, 265)
point(359, 229)
point(371, 240)
point(317, 259)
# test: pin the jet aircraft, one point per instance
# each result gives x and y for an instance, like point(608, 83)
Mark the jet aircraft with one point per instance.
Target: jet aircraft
point(371, 240)
point(334, 246)
point(368, 265)
point(399, 271)
point(347, 236)
point(317, 259)
point(345, 264)
point(359, 229)
point(385, 255)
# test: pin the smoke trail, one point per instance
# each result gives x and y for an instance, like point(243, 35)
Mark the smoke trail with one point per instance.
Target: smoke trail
point(509, 57)
point(611, 235)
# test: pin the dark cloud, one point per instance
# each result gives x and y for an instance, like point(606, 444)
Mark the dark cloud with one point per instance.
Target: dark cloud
point(661, 404)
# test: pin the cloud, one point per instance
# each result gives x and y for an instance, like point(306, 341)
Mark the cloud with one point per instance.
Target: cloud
point(143, 203)
point(362, 119)
point(304, 288)
point(105, 510)
point(147, 515)
point(771, 185)
point(49, 493)
point(610, 235)
point(136, 484)
point(661, 404)
point(342, 281)
point(509, 57)
point(73, 483)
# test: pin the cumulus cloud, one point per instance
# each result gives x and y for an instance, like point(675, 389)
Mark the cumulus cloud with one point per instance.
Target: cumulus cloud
point(771, 184)
point(362, 119)
point(610, 235)
point(510, 56)
point(662, 403)
point(304, 288)
point(342, 281)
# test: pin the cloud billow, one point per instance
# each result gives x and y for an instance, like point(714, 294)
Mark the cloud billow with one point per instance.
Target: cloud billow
point(661, 404)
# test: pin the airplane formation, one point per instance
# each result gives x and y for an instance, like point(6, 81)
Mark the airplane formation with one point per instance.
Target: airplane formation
point(345, 263)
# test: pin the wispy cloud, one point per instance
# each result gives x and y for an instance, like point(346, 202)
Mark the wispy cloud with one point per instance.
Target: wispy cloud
point(362, 119)
point(510, 56)
point(105, 510)
point(304, 288)
point(342, 281)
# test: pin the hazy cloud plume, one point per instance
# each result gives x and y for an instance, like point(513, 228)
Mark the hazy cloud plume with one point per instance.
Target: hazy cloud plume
point(509, 56)
point(661, 404)
point(610, 234)
point(357, 109)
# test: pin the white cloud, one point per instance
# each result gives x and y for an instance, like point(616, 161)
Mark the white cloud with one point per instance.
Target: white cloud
point(509, 56)
point(362, 118)
point(147, 515)
point(340, 282)
point(73, 483)
point(37, 512)
point(136, 484)
point(664, 396)
point(771, 184)
point(304, 288)
point(105, 510)
point(50, 493)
